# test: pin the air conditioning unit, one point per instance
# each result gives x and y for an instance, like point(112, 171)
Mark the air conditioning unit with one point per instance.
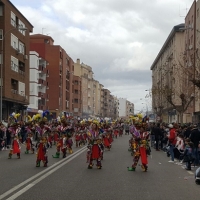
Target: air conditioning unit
point(25, 57)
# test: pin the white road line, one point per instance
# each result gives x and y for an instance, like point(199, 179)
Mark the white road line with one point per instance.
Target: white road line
point(190, 172)
point(20, 192)
point(39, 174)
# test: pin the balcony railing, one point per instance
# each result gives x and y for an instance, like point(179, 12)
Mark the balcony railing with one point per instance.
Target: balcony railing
point(21, 72)
point(42, 82)
point(14, 91)
point(42, 69)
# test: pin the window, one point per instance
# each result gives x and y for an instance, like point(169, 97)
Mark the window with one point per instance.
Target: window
point(14, 64)
point(1, 34)
point(13, 19)
point(46, 41)
point(198, 12)
point(76, 91)
point(14, 41)
point(21, 88)
point(1, 10)
point(76, 82)
point(22, 25)
point(21, 47)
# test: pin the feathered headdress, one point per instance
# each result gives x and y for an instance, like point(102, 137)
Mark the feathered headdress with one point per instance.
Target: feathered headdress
point(13, 118)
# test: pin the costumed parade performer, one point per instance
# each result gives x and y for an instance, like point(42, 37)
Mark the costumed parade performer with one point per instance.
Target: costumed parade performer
point(96, 151)
point(61, 146)
point(29, 144)
point(42, 145)
point(42, 149)
point(14, 131)
point(140, 145)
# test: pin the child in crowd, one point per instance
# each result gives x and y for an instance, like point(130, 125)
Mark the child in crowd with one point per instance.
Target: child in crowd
point(187, 155)
point(179, 147)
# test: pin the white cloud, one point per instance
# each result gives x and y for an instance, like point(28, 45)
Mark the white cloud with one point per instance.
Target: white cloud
point(119, 39)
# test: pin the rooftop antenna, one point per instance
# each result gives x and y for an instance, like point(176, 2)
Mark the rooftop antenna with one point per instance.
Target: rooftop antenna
point(43, 30)
point(186, 10)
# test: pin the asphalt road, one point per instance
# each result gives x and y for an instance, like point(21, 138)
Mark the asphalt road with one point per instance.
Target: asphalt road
point(69, 178)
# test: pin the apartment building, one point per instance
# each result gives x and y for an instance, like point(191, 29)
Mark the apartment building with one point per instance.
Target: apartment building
point(168, 78)
point(122, 107)
point(38, 74)
point(125, 108)
point(101, 101)
point(87, 91)
point(77, 105)
point(60, 70)
point(190, 60)
point(14, 45)
point(106, 97)
point(129, 108)
point(116, 108)
point(196, 116)
point(97, 98)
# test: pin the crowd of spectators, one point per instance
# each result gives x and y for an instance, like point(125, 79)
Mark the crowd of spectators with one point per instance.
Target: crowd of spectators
point(180, 142)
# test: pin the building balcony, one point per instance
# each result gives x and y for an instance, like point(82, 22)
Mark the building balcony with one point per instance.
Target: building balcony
point(76, 96)
point(42, 95)
point(21, 72)
point(42, 82)
point(42, 69)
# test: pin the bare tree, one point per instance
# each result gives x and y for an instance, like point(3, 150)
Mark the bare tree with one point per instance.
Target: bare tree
point(175, 91)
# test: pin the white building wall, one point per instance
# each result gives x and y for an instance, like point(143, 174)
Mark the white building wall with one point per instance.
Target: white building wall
point(34, 75)
point(122, 107)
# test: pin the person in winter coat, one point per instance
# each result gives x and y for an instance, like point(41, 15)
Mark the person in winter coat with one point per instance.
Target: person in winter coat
point(172, 141)
point(195, 139)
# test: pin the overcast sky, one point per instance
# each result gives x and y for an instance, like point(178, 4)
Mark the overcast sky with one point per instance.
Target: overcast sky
point(119, 39)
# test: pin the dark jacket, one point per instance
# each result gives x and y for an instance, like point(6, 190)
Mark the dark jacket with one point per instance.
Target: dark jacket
point(195, 137)
point(157, 132)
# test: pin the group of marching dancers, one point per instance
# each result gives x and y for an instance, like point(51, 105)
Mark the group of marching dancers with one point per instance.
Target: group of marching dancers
point(65, 134)
point(42, 135)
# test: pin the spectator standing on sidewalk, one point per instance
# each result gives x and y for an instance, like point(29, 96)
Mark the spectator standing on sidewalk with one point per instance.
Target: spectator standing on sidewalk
point(172, 140)
point(162, 136)
point(195, 139)
point(186, 131)
point(152, 128)
point(158, 133)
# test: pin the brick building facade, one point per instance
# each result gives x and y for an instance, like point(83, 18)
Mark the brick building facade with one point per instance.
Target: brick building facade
point(59, 79)
point(14, 47)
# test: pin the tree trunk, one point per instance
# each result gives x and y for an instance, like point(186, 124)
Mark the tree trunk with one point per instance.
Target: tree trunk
point(181, 117)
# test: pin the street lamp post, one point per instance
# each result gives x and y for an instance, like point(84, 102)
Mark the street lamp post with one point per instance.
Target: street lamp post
point(1, 75)
point(146, 108)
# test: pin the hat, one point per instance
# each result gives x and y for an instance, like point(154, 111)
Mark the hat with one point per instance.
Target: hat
point(170, 126)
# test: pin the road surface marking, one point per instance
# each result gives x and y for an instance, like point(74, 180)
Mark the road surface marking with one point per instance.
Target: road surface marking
point(39, 174)
point(190, 172)
point(20, 192)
